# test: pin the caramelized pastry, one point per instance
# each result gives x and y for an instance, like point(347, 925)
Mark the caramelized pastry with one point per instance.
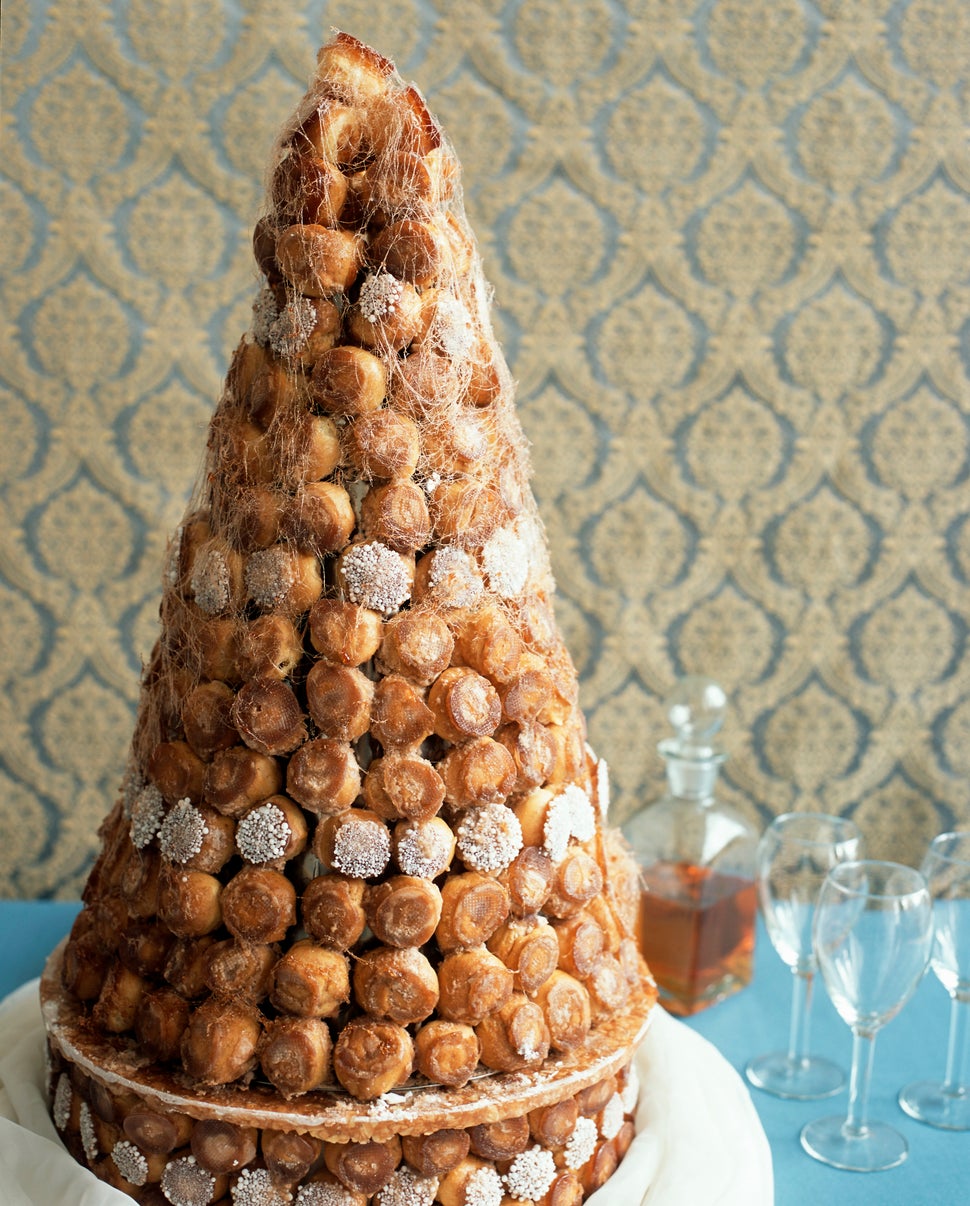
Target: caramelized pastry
point(418, 645)
point(403, 785)
point(363, 1167)
point(438, 1153)
point(185, 969)
point(323, 776)
point(219, 1044)
point(576, 881)
point(473, 906)
point(316, 260)
point(403, 911)
point(515, 1036)
point(448, 577)
point(272, 832)
point(259, 905)
point(241, 972)
point(423, 848)
point(295, 1055)
point(553, 1125)
point(160, 1022)
point(529, 948)
point(581, 942)
point(528, 881)
point(472, 984)
point(489, 643)
point(479, 772)
point(370, 1057)
point(189, 902)
point(349, 381)
point(388, 315)
point(289, 1156)
point(465, 704)
point(319, 518)
point(155, 1133)
point(344, 633)
point(396, 514)
point(382, 444)
point(222, 1147)
point(283, 579)
point(118, 1002)
point(206, 720)
point(565, 1004)
point(608, 987)
point(396, 985)
point(197, 837)
point(310, 981)
point(533, 751)
point(400, 717)
point(177, 771)
point(339, 699)
point(466, 513)
point(500, 1141)
point(471, 1180)
point(309, 188)
point(238, 778)
point(332, 910)
point(446, 1052)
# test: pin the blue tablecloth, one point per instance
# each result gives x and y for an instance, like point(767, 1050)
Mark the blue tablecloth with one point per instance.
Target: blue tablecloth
point(912, 1047)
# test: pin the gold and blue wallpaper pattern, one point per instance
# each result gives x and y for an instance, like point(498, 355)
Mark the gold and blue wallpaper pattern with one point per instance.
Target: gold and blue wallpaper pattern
point(729, 242)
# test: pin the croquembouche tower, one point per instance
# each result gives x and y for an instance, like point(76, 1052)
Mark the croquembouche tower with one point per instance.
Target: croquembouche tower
point(358, 931)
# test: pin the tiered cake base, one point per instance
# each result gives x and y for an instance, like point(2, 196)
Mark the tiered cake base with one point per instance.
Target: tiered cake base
point(549, 1137)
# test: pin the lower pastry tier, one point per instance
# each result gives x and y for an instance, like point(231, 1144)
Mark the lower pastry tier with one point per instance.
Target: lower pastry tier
point(549, 1137)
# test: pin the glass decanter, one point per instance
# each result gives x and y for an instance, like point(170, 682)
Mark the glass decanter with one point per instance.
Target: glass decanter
point(697, 864)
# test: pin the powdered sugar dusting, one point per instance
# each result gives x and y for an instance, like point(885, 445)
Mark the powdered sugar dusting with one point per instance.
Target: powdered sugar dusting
point(263, 834)
point(489, 837)
point(361, 848)
point(89, 1140)
point(484, 1188)
point(506, 561)
point(581, 1144)
point(558, 828)
point(454, 578)
point(269, 575)
point(379, 295)
point(531, 1173)
point(130, 1162)
point(182, 833)
point(184, 1183)
point(612, 1117)
point(265, 313)
point(581, 812)
point(408, 1188)
point(61, 1108)
point(146, 816)
point(423, 850)
point(255, 1188)
point(375, 577)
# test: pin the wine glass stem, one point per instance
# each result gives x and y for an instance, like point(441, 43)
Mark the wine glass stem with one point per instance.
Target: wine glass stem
point(958, 1046)
point(863, 1048)
point(801, 1006)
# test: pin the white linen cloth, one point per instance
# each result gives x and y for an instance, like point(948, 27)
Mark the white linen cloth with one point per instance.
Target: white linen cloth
point(699, 1140)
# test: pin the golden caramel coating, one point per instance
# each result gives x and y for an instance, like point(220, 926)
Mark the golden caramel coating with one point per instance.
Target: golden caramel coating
point(206, 720)
point(259, 905)
point(576, 881)
point(400, 716)
point(533, 751)
point(417, 645)
point(608, 987)
point(566, 1190)
point(317, 449)
point(581, 942)
point(185, 969)
point(363, 1167)
point(356, 843)
point(488, 642)
point(332, 910)
point(85, 965)
point(403, 785)
point(238, 778)
point(156, 1133)
point(144, 948)
point(515, 1036)
point(479, 771)
point(553, 1125)
point(472, 984)
point(500, 1140)
point(389, 314)
point(323, 776)
point(177, 771)
point(590, 1101)
point(370, 1057)
point(412, 251)
point(529, 948)
point(317, 261)
point(351, 70)
point(241, 972)
point(465, 704)
point(397, 515)
point(121, 994)
point(214, 648)
point(446, 1052)
point(339, 699)
point(289, 1156)
point(435, 1154)
point(466, 512)
point(295, 1055)
point(338, 133)
point(349, 381)
point(424, 384)
point(310, 981)
point(382, 444)
point(221, 1147)
point(345, 633)
point(189, 902)
point(319, 518)
point(250, 515)
point(448, 577)
point(160, 1022)
point(219, 1044)
point(396, 985)
point(308, 188)
point(403, 911)
point(565, 1004)
point(473, 906)
point(458, 1185)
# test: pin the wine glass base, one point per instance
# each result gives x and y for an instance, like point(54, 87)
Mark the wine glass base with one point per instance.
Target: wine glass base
point(798, 1079)
point(875, 1148)
point(927, 1102)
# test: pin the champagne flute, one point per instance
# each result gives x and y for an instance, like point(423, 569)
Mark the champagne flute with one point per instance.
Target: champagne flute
point(795, 854)
point(873, 933)
point(947, 871)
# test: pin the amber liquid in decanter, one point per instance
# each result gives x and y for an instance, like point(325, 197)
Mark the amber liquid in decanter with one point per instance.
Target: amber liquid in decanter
point(697, 865)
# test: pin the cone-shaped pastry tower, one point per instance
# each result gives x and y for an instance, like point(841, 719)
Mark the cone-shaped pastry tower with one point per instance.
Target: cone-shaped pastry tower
point(358, 931)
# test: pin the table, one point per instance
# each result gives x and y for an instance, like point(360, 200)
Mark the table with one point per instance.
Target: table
point(755, 1020)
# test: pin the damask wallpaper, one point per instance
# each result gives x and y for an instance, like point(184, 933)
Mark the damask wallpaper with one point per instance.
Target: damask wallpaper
point(730, 247)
